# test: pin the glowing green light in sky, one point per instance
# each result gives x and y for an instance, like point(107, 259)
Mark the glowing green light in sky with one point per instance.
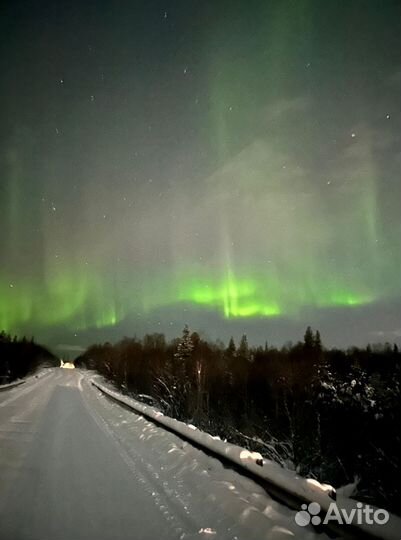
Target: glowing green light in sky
point(279, 193)
point(271, 244)
point(232, 297)
point(82, 301)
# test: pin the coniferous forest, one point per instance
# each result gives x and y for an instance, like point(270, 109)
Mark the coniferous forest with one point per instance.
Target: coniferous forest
point(329, 414)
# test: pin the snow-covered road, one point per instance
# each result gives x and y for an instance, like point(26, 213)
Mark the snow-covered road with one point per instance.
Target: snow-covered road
point(75, 465)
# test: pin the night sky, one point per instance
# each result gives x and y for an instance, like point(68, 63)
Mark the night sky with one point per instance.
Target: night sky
point(230, 165)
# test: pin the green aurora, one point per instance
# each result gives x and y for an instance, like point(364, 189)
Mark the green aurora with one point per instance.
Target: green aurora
point(272, 188)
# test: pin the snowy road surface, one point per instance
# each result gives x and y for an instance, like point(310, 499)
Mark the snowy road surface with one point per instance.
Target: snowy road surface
point(75, 465)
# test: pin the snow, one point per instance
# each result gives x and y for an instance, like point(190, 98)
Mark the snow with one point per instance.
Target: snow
point(214, 496)
point(271, 471)
point(11, 385)
point(109, 472)
point(31, 384)
point(286, 482)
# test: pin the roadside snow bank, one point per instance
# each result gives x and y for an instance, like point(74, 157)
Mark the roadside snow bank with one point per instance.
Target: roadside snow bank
point(10, 385)
point(286, 485)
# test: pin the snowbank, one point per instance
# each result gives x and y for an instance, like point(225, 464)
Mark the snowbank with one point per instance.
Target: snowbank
point(10, 385)
point(286, 485)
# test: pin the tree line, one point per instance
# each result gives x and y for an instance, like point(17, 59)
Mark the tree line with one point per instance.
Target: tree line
point(20, 356)
point(328, 413)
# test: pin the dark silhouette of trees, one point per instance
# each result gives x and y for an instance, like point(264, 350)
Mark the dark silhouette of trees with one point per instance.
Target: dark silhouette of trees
point(309, 339)
point(18, 357)
point(331, 414)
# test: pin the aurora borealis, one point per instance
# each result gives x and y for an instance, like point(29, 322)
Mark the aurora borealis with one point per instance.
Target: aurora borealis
point(234, 166)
